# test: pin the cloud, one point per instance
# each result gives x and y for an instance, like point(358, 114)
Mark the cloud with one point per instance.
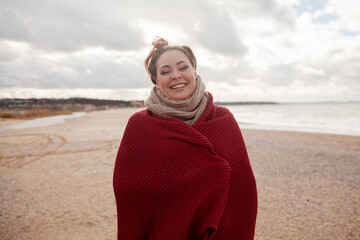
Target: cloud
point(12, 27)
point(348, 13)
point(230, 74)
point(7, 52)
point(68, 27)
point(260, 48)
point(99, 93)
point(96, 70)
point(200, 23)
point(216, 31)
point(280, 12)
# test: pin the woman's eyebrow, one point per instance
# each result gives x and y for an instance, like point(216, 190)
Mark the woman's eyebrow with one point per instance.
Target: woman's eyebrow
point(164, 66)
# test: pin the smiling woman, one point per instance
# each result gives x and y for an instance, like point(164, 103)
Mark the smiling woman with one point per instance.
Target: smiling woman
point(182, 169)
point(179, 91)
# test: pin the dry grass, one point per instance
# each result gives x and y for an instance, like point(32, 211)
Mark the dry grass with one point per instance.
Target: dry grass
point(32, 113)
point(7, 114)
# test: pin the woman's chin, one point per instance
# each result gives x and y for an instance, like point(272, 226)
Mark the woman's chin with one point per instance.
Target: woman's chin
point(178, 95)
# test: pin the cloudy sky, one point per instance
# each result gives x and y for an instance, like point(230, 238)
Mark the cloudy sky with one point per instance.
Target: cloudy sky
point(247, 50)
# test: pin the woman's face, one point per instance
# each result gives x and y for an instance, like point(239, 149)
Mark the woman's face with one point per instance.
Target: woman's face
point(175, 76)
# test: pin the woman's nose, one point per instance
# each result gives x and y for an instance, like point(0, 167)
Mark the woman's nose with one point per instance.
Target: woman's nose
point(176, 75)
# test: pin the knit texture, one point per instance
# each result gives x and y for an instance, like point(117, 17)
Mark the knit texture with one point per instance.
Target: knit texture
point(176, 181)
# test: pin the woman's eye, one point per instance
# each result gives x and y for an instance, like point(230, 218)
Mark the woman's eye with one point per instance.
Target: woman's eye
point(183, 68)
point(165, 72)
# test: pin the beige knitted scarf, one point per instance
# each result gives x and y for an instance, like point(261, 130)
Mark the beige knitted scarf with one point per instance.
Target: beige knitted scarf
point(187, 110)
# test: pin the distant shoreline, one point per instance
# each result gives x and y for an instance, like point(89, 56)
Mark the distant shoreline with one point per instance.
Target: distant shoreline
point(94, 104)
point(19, 108)
point(64, 103)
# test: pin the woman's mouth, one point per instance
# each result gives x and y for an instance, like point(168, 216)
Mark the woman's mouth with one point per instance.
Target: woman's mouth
point(177, 86)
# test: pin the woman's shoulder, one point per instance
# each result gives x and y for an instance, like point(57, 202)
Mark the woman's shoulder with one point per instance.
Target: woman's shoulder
point(222, 111)
point(223, 115)
point(216, 111)
point(137, 122)
point(139, 116)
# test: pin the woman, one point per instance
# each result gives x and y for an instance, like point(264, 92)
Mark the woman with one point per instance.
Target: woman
point(182, 169)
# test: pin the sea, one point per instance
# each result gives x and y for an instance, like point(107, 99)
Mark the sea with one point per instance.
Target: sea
point(330, 117)
point(333, 118)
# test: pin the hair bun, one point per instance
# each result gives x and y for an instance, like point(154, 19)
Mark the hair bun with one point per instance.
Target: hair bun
point(159, 42)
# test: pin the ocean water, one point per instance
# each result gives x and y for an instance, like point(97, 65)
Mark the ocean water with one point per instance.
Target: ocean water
point(335, 118)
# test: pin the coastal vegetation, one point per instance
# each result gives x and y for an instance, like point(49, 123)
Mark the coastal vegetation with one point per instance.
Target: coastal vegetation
point(34, 108)
point(31, 113)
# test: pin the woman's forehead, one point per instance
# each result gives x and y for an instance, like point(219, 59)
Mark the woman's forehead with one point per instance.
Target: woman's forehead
point(172, 57)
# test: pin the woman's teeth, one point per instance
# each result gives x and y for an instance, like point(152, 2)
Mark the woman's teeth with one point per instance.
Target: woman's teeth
point(178, 86)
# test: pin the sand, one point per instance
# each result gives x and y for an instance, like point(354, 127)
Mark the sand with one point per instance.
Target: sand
point(4, 122)
point(56, 181)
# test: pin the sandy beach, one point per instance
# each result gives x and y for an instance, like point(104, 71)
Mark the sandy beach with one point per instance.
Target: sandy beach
point(56, 181)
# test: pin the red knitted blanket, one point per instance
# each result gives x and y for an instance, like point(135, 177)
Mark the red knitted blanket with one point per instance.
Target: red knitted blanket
point(176, 181)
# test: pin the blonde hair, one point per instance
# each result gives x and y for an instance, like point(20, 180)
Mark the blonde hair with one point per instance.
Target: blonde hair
point(160, 46)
